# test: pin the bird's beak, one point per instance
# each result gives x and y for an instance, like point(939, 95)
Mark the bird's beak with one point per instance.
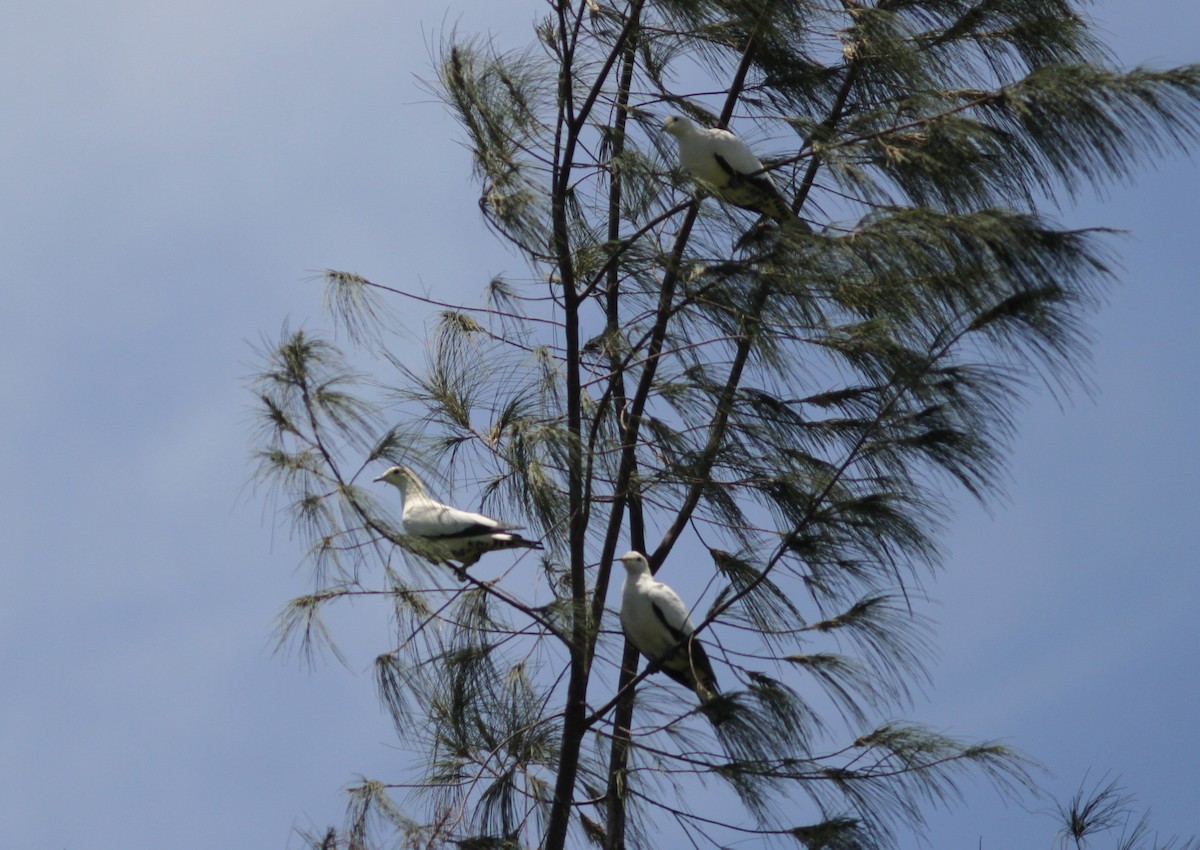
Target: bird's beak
point(380, 478)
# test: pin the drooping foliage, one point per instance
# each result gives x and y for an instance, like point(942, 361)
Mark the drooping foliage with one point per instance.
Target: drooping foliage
point(775, 417)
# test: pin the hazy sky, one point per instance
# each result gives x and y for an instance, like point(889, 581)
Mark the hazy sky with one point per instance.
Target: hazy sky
point(173, 175)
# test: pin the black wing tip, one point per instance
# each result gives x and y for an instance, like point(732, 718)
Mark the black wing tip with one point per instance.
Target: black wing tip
point(518, 540)
point(470, 531)
point(678, 635)
point(725, 166)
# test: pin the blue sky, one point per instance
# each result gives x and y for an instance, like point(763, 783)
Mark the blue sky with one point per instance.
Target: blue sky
point(173, 175)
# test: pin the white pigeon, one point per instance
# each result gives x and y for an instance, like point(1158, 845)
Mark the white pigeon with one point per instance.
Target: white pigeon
point(722, 162)
point(656, 621)
point(448, 534)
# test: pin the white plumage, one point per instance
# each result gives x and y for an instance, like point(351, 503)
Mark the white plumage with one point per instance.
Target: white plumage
point(656, 621)
point(722, 162)
point(448, 534)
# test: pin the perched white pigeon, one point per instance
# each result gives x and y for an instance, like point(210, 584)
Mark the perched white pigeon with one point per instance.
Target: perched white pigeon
point(656, 621)
point(725, 164)
point(449, 534)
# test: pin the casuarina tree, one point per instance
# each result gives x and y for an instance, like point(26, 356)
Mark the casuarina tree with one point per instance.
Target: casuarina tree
point(790, 270)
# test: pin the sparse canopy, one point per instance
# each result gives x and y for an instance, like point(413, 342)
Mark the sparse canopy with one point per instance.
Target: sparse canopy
point(774, 416)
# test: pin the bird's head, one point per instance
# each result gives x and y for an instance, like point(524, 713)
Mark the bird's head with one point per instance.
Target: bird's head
point(677, 125)
point(635, 563)
point(401, 477)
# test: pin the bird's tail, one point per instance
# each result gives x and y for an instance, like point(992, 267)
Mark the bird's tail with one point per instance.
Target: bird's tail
point(774, 205)
point(777, 208)
point(704, 682)
point(516, 541)
point(714, 705)
point(793, 222)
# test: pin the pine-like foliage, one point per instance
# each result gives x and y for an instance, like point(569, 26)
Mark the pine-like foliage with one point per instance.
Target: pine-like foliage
point(775, 416)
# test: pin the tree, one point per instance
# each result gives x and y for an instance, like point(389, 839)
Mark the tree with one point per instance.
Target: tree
point(1105, 807)
point(774, 414)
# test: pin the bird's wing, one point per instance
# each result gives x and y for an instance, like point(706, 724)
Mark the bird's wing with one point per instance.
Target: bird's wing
point(669, 610)
point(687, 662)
point(740, 179)
point(433, 519)
point(739, 164)
point(733, 153)
point(661, 614)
